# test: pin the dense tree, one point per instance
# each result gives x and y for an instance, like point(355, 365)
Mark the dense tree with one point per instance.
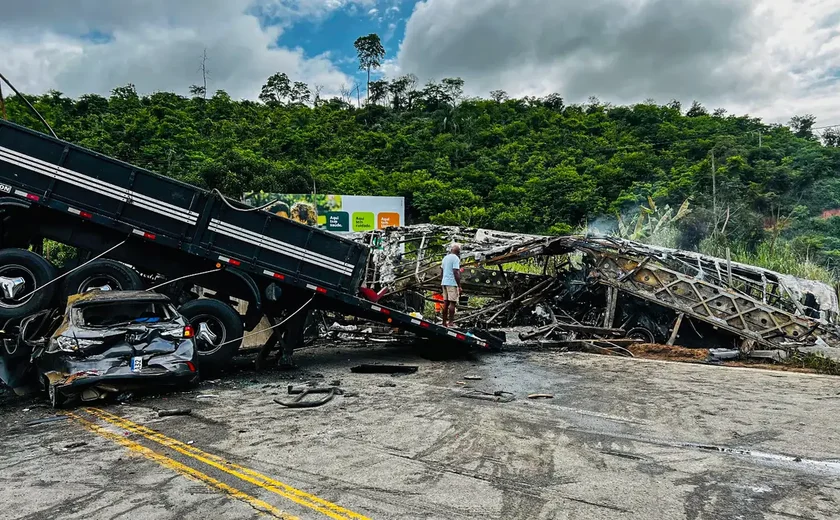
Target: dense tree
point(697, 110)
point(527, 165)
point(277, 88)
point(371, 53)
point(499, 95)
point(377, 91)
point(803, 125)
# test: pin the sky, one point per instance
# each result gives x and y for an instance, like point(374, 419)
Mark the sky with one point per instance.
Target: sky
point(767, 58)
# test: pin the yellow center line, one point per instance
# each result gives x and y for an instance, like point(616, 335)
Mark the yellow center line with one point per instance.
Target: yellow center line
point(246, 474)
point(183, 469)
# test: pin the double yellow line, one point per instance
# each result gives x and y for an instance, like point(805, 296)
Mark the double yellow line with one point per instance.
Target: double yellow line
point(248, 475)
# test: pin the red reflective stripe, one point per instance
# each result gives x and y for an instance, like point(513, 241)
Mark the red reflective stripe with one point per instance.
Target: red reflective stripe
point(150, 236)
point(321, 290)
point(424, 324)
point(85, 214)
point(460, 336)
point(279, 276)
point(385, 311)
point(234, 262)
point(30, 196)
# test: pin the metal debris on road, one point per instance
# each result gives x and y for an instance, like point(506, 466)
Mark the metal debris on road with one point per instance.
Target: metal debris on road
point(300, 402)
point(47, 420)
point(177, 411)
point(540, 396)
point(499, 396)
point(473, 378)
point(377, 368)
point(607, 293)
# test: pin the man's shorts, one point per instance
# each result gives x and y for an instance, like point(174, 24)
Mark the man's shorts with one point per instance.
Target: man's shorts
point(450, 293)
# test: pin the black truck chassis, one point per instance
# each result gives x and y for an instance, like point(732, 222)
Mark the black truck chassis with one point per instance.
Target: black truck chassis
point(59, 191)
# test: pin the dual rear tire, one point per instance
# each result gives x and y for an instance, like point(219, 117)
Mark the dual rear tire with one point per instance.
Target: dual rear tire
point(218, 327)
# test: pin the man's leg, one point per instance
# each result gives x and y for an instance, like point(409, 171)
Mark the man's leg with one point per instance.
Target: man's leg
point(452, 313)
point(445, 313)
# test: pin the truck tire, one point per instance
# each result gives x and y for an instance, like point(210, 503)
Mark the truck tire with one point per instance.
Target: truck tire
point(35, 272)
point(225, 328)
point(103, 272)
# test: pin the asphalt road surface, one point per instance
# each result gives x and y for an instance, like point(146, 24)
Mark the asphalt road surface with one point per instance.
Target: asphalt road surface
point(620, 439)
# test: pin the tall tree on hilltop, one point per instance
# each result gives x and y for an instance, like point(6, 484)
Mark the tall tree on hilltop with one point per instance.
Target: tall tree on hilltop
point(371, 52)
point(277, 88)
point(803, 125)
point(377, 91)
point(499, 96)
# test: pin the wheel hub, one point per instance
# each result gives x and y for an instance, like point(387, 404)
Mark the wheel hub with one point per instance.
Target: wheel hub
point(205, 334)
point(11, 287)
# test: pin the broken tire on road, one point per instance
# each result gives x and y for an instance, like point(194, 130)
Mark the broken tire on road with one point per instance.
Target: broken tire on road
point(21, 272)
point(641, 333)
point(218, 331)
point(100, 274)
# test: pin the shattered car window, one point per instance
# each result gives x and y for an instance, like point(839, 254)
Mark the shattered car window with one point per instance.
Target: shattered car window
point(116, 313)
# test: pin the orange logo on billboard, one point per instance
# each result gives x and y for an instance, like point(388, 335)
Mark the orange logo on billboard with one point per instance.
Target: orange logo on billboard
point(387, 219)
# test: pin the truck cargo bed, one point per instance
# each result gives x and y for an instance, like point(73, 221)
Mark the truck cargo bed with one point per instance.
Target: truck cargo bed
point(79, 186)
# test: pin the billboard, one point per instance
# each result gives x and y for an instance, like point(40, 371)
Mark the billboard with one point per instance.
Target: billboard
point(336, 213)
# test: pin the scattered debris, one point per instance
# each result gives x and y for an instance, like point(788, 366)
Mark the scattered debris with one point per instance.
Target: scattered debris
point(300, 402)
point(384, 369)
point(47, 420)
point(597, 292)
point(499, 396)
point(206, 396)
point(723, 354)
point(177, 411)
point(540, 396)
point(473, 378)
point(75, 445)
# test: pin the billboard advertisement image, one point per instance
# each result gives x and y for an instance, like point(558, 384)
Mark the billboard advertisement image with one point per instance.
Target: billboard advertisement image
point(337, 213)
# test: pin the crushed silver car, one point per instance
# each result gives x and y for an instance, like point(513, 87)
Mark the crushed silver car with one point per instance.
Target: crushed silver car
point(110, 342)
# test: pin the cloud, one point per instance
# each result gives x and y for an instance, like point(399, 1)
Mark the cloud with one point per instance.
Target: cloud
point(772, 58)
point(94, 46)
point(373, 12)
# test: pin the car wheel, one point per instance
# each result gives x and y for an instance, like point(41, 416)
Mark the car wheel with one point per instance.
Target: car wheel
point(100, 274)
point(218, 331)
point(21, 272)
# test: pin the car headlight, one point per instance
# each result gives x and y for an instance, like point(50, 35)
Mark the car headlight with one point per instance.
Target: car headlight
point(68, 344)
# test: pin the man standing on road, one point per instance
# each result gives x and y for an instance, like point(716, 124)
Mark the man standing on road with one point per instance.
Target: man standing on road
point(451, 283)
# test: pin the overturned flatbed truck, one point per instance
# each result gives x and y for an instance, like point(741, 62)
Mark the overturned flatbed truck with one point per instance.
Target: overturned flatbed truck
point(165, 230)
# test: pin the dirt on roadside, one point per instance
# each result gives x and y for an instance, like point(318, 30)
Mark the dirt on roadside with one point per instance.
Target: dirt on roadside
point(700, 355)
point(668, 352)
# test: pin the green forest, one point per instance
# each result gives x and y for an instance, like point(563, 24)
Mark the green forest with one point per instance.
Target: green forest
point(533, 165)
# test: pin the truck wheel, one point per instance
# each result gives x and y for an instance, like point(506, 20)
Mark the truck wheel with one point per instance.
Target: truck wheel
point(21, 272)
point(218, 331)
point(103, 273)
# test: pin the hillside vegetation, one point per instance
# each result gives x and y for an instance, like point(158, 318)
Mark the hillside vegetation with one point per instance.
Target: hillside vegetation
point(527, 165)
